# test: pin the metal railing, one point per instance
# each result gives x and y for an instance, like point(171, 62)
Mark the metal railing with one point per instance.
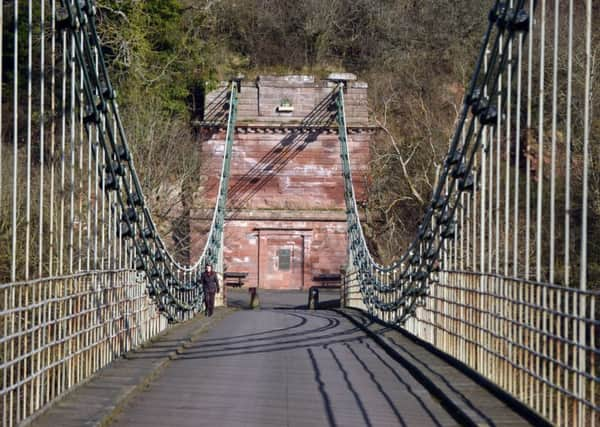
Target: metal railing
point(84, 274)
point(57, 331)
point(497, 275)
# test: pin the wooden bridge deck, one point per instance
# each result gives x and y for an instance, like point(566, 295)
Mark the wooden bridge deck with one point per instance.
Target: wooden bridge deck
point(293, 367)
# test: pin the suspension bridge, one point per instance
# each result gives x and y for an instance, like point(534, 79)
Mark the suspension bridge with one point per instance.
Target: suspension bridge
point(490, 317)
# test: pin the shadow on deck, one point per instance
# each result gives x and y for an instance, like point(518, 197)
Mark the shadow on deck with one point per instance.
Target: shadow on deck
point(285, 365)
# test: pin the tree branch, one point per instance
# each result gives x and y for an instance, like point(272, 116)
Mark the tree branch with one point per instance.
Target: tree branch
point(403, 163)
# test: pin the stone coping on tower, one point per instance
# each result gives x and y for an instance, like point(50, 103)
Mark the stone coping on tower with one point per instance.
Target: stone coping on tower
point(293, 100)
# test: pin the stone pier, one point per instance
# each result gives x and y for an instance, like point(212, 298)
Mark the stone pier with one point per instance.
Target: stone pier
point(286, 213)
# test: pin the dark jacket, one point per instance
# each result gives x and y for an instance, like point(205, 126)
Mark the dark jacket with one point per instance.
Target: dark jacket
point(210, 282)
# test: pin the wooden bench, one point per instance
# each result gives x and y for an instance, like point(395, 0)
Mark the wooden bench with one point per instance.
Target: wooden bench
point(323, 281)
point(228, 276)
point(327, 280)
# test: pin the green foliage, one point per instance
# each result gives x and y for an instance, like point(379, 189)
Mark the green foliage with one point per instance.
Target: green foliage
point(145, 50)
point(156, 49)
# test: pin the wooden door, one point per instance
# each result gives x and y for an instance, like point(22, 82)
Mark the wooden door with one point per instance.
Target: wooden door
point(281, 261)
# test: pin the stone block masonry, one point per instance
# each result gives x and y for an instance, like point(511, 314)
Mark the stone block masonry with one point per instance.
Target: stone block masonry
point(286, 213)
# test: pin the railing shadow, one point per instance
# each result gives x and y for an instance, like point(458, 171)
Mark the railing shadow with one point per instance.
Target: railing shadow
point(411, 361)
point(320, 334)
point(442, 378)
point(398, 377)
point(321, 385)
point(350, 387)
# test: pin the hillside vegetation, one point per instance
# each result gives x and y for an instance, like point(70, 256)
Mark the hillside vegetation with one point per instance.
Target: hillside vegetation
point(416, 56)
point(165, 53)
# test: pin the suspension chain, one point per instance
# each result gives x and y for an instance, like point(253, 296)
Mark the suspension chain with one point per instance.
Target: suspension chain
point(175, 288)
point(397, 289)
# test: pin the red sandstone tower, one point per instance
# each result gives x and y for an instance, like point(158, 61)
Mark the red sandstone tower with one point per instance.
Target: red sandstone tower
point(286, 215)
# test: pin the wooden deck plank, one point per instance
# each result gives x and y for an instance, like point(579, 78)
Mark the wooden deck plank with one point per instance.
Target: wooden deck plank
point(284, 368)
point(470, 396)
point(275, 367)
point(94, 401)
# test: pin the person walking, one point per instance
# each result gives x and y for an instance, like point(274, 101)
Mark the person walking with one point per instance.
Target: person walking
point(210, 286)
